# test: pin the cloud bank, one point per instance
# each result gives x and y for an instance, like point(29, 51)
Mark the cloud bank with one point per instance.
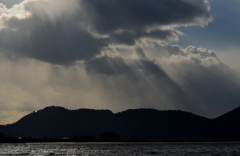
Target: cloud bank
point(62, 32)
point(109, 54)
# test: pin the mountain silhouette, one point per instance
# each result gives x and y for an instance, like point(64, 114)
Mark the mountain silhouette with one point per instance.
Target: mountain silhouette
point(227, 125)
point(58, 122)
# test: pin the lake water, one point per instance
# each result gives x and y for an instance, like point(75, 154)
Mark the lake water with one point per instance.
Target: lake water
point(122, 149)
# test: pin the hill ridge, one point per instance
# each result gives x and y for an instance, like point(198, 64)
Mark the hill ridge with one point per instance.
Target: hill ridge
point(145, 123)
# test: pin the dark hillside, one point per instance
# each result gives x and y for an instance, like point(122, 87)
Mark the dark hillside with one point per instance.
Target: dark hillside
point(58, 122)
point(227, 125)
point(154, 124)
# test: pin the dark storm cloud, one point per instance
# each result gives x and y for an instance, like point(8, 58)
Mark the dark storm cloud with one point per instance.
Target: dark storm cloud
point(59, 44)
point(110, 15)
point(59, 32)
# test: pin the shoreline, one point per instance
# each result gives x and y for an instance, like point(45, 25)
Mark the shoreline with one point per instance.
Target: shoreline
point(119, 141)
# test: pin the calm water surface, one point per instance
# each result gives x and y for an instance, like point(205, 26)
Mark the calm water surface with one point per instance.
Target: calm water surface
point(122, 149)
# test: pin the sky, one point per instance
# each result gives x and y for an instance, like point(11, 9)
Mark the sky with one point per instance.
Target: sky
point(119, 55)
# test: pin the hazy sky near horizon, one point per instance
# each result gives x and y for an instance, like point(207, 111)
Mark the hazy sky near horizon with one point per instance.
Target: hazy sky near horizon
point(118, 55)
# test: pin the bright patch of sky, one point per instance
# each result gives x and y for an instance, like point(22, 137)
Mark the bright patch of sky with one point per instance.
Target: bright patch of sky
point(222, 35)
point(10, 3)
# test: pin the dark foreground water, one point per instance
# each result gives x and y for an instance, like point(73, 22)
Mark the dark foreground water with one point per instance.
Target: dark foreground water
point(122, 149)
